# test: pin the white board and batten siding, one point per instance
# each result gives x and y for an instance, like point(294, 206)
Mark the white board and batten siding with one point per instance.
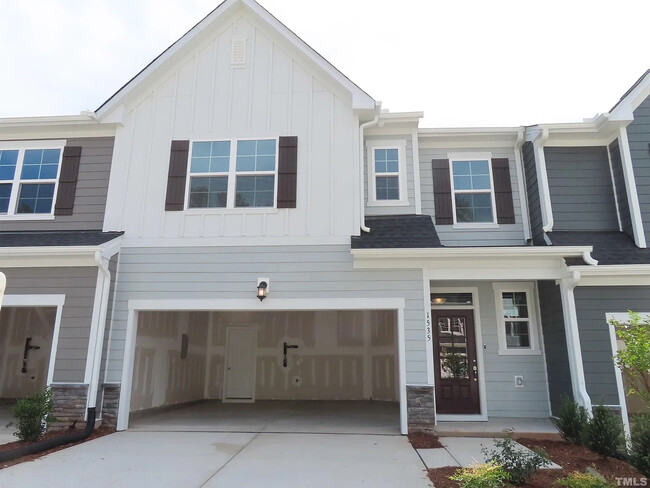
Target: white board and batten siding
point(504, 235)
point(277, 92)
point(230, 273)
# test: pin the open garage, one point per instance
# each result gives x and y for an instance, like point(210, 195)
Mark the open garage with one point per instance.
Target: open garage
point(294, 371)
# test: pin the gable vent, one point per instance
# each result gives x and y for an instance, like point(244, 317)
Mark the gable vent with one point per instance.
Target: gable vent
point(238, 52)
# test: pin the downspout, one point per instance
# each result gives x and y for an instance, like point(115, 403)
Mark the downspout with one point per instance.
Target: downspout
point(578, 383)
point(523, 194)
point(542, 180)
point(362, 184)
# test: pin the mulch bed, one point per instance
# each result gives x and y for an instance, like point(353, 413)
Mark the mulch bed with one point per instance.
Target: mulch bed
point(569, 456)
point(424, 440)
point(99, 432)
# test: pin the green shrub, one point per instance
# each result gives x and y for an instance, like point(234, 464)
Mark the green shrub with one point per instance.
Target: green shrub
point(519, 464)
point(571, 421)
point(583, 480)
point(604, 433)
point(488, 475)
point(640, 449)
point(33, 414)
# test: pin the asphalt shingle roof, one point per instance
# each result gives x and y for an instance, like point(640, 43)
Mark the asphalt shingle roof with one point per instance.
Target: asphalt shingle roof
point(56, 238)
point(398, 231)
point(609, 247)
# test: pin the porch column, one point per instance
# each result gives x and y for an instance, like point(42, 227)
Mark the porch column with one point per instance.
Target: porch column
point(579, 386)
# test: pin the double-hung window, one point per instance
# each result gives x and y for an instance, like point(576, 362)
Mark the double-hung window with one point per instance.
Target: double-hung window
point(472, 190)
point(28, 178)
point(386, 173)
point(517, 327)
point(233, 174)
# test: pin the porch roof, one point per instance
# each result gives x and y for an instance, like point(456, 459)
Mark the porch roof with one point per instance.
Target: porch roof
point(609, 247)
point(398, 231)
point(56, 238)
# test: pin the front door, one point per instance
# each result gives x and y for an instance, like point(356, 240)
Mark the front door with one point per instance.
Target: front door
point(241, 358)
point(455, 363)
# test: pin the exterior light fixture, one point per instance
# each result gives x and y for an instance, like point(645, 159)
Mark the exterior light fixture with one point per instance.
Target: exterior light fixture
point(439, 300)
point(262, 288)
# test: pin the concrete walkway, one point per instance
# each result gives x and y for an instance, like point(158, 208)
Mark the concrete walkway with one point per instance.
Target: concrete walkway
point(204, 459)
point(463, 451)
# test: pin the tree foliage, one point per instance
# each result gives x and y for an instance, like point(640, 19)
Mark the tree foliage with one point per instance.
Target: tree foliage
point(634, 359)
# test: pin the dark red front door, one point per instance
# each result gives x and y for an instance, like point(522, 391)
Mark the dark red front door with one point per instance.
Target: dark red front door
point(455, 362)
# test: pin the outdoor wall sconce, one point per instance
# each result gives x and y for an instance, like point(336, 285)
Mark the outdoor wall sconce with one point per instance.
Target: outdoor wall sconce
point(439, 300)
point(262, 288)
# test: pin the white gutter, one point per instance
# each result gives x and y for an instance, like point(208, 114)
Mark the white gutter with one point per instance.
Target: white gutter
point(542, 180)
point(523, 196)
point(102, 265)
point(3, 286)
point(450, 252)
point(587, 258)
point(362, 184)
point(578, 383)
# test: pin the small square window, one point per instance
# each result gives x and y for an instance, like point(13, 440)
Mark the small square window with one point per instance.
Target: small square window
point(517, 328)
point(208, 192)
point(254, 191)
point(386, 178)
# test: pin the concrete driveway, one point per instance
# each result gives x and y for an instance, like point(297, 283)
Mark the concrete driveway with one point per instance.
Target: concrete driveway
point(203, 459)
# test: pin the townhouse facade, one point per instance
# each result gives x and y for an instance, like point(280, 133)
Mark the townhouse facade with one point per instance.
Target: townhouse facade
point(241, 222)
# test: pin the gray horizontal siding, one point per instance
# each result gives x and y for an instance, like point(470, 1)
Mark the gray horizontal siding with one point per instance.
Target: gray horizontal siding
point(90, 196)
point(638, 134)
point(504, 235)
point(410, 183)
point(231, 273)
point(532, 192)
point(592, 305)
point(503, 398)
point(580, 184)
point(621, 190)
point(78, 285)
point(555, 346)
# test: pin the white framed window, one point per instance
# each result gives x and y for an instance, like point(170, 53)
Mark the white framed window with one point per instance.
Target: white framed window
point(472, 190)
point(387, 173)
point(29, 176)
point(232, 174)
point(516, 318)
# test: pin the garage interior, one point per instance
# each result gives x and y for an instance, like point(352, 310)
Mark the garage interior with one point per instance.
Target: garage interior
point(281, 371)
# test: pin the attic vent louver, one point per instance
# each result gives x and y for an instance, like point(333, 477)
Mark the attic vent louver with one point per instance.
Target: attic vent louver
point(238, 53)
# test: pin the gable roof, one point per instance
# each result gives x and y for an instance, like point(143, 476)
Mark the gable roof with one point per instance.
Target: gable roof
point(360, 98)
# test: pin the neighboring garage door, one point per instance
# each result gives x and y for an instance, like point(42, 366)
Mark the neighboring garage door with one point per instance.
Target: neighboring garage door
point(25, 344)
point(183, 357)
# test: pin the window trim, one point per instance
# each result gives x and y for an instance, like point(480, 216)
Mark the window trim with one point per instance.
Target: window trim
point(533, 323)
point(400, 145)
point(21, 147)
point(482, 156)
point(232, 178)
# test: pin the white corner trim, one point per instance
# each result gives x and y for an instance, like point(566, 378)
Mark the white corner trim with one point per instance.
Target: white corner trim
point(574, 349)
point(3, 286)
point(630, 187)
point(542, 180)
point(521, 182)
point(416, 172)
point(428, 326)
point(620, 317)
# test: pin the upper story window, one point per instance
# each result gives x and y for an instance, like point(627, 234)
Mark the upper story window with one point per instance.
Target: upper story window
point(28, 178)
point(517, 327)
point(473, 191)
point(232, 174)
point(387, 173)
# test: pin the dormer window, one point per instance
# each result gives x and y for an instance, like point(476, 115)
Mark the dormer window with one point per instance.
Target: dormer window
point(29, 178)
point(387, 173)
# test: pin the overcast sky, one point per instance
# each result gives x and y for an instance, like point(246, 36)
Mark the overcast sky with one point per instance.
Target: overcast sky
point(464, 63)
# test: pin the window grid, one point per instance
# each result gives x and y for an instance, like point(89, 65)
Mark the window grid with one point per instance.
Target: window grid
point(232, 174)
point(514, 316)
point(468, 172)
point(33, 187)
point(386, 164)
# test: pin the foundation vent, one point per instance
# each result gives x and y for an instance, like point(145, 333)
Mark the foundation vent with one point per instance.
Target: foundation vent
point(238, 52)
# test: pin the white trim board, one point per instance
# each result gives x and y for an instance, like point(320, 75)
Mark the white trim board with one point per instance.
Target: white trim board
point(136, 306)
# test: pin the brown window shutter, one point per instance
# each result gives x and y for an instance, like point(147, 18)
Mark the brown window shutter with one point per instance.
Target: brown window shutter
point(287, 172)
point(177, 176)
point(503, 191)
point(68, 180)
point(442, 192)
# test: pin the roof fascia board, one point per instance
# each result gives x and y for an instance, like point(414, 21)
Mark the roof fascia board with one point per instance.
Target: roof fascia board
point(468, 137)
point(473, 252)
point(613, 270)
point(360, 99)
point(59, 127)
point(625, 108)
